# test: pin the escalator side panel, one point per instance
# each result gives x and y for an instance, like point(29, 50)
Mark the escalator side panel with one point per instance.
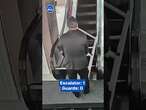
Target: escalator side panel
point(143, 49)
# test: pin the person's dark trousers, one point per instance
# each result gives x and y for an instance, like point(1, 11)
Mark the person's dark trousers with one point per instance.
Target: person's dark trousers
point(62, 74)
point(83, 73)
point(59, 74)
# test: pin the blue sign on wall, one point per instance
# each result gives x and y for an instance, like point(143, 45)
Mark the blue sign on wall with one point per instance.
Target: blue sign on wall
point(72, 85)
point(50, 8)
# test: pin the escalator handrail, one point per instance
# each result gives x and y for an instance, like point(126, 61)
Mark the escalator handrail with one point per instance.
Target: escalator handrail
point(23, 82)
point(24, 45)
point(60, 34)
point(65, 18)
point(62, 30)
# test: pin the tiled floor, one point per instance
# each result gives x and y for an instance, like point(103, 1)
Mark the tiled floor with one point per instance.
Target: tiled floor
point(52, 96)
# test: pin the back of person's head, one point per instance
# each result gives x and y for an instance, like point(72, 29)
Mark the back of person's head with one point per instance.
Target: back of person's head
point(72, 22)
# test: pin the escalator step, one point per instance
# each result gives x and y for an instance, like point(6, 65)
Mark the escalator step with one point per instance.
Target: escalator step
point(87, 22)
point(36, 87)
point(87, 5)
point(92, 31)
point(92, 9)
point(116, 20)
point(116, 27)
point(89, 28)
point(91, 17)
point(115, 37)
point(86, 14)
point(87, 1)
point(35, 92)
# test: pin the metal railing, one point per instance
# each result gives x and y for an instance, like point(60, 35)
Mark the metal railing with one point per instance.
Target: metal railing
point(95, 38)
point(120, 51)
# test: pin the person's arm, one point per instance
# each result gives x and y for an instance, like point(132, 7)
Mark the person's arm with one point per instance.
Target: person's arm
point(60, 47)
point(86, 46)
point(60, 53)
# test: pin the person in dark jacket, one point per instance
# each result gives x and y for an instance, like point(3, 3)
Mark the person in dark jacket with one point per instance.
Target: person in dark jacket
point(74, 47)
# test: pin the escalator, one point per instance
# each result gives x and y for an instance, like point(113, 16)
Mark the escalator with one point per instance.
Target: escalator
point(139, 56)
point(55, 100)
point(30, 65)
point(19, 71)
point(87, 19)
point(126, 84)
point(86, 15)
point(118, 17)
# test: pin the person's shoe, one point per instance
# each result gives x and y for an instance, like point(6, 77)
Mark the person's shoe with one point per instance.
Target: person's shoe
point(77, 95)
point(86, 92)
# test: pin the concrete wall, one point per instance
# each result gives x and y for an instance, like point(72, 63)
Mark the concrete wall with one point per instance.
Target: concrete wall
point(27, 10)
point(12, 31)
point(60, 2)
point(12, 35)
